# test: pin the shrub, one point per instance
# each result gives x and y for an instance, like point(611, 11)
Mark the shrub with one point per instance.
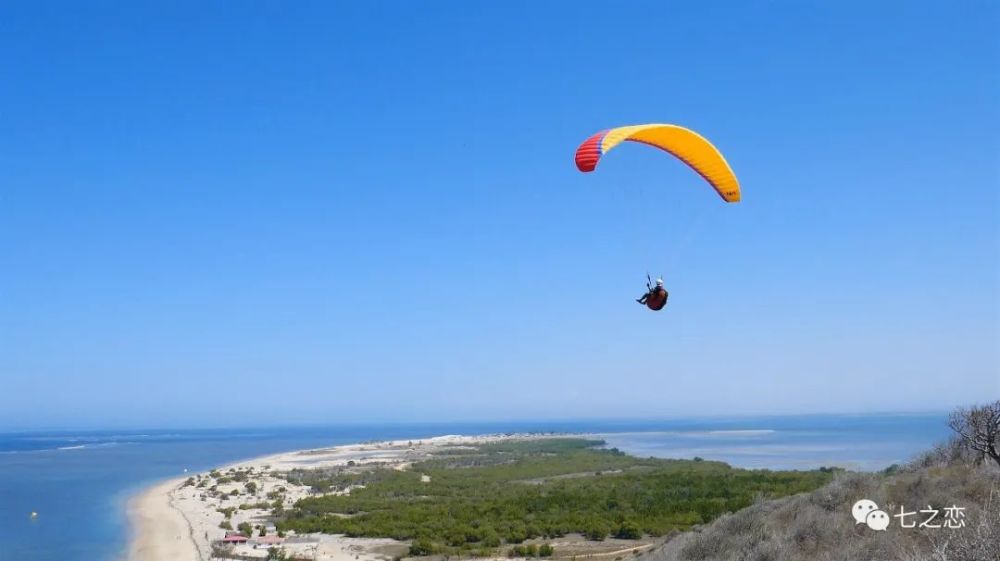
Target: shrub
point(628, 530)
point(276, 554)
point(516, 534)
point(422, 546)
point(596, 531)
point(530, 550)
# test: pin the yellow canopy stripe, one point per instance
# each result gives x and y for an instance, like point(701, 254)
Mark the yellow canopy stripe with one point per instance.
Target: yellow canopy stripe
point(685, 144)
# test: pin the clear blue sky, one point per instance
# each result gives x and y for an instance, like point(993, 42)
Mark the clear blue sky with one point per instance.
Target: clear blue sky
point(225, 213)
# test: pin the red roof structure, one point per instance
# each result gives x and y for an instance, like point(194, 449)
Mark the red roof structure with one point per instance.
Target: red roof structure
point(269, 540)
point(235, 538)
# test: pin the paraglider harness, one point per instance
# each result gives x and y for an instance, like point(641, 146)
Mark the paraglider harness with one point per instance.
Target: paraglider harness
point(655, 297)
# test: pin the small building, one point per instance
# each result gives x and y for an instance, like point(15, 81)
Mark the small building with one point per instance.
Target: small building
point(235, 538)
point(268, 541)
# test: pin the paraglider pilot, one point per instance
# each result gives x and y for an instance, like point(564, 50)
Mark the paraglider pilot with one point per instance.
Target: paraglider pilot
point(655, 297)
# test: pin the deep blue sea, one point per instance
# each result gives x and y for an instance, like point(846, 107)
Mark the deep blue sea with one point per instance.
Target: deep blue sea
point(79, 482)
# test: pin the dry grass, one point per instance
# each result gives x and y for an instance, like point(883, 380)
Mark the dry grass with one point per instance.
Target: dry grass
point(818, 526)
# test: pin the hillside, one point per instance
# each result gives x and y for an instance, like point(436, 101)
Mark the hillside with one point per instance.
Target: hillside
point(818, 526)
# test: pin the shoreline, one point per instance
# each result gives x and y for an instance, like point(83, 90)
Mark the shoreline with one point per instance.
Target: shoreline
point(158, 530)
point(172, 520)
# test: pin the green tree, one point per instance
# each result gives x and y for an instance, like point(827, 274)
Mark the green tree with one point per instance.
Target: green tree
point(530, 550)
point(545, 550)
point(516, 533)
point(491, 538)
point(245, 528)
point(596, 530)
point(628, 530)
point(276, 554)
point(456, 538)
point(422, 546)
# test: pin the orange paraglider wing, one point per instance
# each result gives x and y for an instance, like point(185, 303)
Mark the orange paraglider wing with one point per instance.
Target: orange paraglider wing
point(685, 144)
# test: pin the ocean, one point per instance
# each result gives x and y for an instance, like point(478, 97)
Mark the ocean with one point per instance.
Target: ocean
point(79, 482)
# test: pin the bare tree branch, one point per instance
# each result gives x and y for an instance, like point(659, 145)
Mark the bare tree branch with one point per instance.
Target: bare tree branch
point(979, 428)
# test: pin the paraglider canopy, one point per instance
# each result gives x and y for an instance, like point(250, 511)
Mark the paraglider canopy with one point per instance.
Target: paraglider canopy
point(685, 144)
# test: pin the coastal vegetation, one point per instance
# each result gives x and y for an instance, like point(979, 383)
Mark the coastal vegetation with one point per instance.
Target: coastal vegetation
point(477, 499)
point(538, 497)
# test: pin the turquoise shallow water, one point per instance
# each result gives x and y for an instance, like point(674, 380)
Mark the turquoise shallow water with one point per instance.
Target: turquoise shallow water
point(79, 482)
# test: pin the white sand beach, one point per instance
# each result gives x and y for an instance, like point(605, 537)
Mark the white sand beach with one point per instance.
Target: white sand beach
point(177, 520)
point(161, 532)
